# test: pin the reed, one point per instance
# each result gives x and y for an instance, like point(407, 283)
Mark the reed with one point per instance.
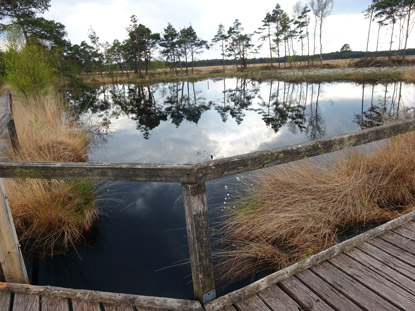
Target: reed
point(296, 210)
point(50, 215)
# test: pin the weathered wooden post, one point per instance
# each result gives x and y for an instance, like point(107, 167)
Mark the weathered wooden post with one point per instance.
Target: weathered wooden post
point(198, 235)
point(11, 259)
point(11, 126)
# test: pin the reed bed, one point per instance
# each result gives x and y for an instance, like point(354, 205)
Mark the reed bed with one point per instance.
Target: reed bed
point(296, 210)
point(50, 215)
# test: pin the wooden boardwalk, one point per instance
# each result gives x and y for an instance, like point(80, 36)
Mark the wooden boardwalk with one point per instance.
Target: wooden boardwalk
point(378, 274)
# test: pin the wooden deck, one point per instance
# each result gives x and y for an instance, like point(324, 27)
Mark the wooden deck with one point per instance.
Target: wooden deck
point(378, 274)
point(373, 271)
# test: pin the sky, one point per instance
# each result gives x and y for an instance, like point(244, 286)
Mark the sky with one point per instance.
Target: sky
point(110, 18)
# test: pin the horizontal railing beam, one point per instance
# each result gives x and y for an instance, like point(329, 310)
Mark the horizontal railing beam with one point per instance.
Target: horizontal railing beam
point(199, 173)
point(261, 159)
point(99, 171)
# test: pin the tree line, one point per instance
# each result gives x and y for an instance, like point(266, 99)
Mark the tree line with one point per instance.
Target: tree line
point(287, 38)
point(397, 15)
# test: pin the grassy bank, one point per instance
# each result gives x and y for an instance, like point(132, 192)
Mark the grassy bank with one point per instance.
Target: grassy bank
point(50, 215)
point(296, 210)
point(296, 75)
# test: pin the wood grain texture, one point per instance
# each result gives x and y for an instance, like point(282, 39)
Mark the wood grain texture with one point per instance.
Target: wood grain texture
point(277, 300)
point(378, 284)
point(54, 304)
point(331, 295)
point(104, 297)
point(403, 243)
point(99, 171)
point(405, 233)
point(5, 299)
point(198, 236)
point(81, 305)
point(385, 271)
point(391, 261)
point(252, 304)
point(108, 307)
point(410, 226)
point(11, 258)
point(23, 302)
point(303, 295)
point(352, 289)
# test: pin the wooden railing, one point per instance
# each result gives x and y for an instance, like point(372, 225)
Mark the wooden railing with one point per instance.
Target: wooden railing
point(193, 178)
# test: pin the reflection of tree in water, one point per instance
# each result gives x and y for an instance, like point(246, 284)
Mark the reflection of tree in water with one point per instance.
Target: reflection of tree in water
point(140, 105)
point(316, 127)
point(237, 100)
point(284, 106)
point(387, 108)
point(184, 104)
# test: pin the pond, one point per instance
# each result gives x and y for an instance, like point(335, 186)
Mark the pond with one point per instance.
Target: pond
point(140, 244)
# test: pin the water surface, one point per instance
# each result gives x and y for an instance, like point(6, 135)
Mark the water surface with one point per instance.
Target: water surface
point(140, 243)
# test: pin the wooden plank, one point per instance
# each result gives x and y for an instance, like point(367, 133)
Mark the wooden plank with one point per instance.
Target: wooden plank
point(5, 298)
point(11, 125)
point(352, 289)
point(54, 304)
point(385, 271)
point(393, 250)
point(24, 302)
point(198, 236)
point(277, 300)
point(4, 121)
point(100, 171)
point(272, 279)
point(104, 297)
point(108, 307)
point(389, 260)
point(383, 287)
point(303, 295)
point(252, 304)
point(410, 226)
point(400, 241)
point(82, 305)
point(331, 295)
point(260, 159)
point(405, 233)
point(11, 258)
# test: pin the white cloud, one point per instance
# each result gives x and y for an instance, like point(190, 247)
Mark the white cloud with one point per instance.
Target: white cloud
point(110, 19)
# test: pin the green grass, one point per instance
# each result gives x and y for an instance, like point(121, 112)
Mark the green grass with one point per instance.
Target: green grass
point(294, 76)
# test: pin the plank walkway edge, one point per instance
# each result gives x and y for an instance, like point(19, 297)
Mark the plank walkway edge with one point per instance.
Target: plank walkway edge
point(104, 297)
point(281, 275)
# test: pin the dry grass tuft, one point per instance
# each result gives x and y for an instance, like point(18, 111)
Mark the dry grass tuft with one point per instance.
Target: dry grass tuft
point(299, 209)
point(50, 215)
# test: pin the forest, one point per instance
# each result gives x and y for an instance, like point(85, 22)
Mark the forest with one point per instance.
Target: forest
point(288, 38)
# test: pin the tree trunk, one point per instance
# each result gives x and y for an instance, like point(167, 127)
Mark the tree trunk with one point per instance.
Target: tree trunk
point(315, 35)
point(368, 33)
point(407, 33)
point(321, 43)
point(223, 55)
point(270, 46)
point(391, 42)
point(192, 60)
point(377, 40)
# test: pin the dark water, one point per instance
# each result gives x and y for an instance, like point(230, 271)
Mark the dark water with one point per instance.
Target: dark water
point(140, 243)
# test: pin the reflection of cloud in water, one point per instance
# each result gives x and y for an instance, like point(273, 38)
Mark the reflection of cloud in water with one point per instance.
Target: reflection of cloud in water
point(177, 139)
